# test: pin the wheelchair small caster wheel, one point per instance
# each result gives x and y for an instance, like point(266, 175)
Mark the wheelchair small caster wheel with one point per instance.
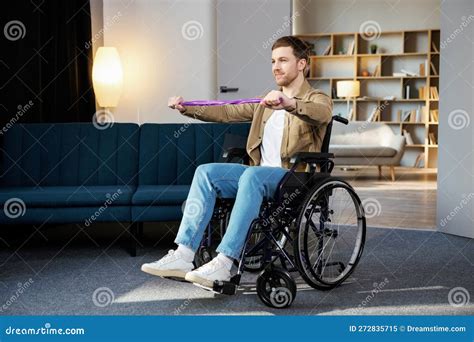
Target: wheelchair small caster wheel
point(276, 288)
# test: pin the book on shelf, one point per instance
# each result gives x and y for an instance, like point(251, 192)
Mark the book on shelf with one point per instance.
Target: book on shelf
point(413, 116)
point(409, 73)
point(350, 114)
point(399, 115)
point(350, 50)
point(406, 116)
point(434, 115)
point(408, 137)
point(366, 98)
point(423, 92)
point(422, 69)
point(374, 115)
point(434, 93)
point(432, 138)
point(327, 51)
point(418, 114)
point(433, 46)
point(399, 74)
point(420, 160)
point(433, 68)
point(376, 71)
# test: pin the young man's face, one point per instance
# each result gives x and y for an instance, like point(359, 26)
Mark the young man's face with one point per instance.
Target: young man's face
point(285, 65)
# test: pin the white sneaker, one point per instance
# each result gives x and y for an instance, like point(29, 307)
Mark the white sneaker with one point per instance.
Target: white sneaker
point(171, 265)
point(208, 273)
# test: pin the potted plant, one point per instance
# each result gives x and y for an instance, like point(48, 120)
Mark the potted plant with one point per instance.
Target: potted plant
point(373, 48)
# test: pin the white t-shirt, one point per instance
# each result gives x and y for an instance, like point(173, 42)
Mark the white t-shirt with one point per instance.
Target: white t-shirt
point(271, 141)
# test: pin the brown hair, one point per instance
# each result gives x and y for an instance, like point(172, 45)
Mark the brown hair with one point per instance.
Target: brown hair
point(300, 48)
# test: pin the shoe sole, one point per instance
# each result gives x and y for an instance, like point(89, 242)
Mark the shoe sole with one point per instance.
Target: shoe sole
point(197, 280)
point(179, 274)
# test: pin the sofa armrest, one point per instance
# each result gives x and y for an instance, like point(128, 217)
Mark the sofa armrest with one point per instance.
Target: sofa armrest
point(397, 142)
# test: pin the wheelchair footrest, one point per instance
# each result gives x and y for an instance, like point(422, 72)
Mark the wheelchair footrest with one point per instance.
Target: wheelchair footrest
point(227, 287)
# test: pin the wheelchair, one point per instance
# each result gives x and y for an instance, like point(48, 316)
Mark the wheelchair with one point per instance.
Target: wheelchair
point(314, 226)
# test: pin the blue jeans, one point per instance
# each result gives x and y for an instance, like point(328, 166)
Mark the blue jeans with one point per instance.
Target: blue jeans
point(249, 185)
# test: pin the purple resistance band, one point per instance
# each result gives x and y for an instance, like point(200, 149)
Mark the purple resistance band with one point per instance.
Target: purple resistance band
point(219, 103)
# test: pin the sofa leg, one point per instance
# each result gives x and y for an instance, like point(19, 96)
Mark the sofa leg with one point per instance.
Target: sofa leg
point(380, 171)
point(392, 173)
point(133, 231)
point(140, 230)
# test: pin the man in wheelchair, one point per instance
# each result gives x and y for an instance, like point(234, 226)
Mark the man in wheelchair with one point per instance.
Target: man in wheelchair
point(287, 121)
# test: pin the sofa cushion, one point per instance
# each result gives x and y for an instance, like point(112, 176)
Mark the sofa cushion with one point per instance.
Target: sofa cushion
point(66, 196)
point(361, 133)
point(362, 151)
point(69, 154)
point(170, 153)
point(160, 194)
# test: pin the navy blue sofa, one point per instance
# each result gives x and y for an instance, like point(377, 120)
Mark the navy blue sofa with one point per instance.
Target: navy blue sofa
point(77, 173)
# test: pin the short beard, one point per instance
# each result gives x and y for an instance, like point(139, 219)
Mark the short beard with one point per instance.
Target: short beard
point(285, 82)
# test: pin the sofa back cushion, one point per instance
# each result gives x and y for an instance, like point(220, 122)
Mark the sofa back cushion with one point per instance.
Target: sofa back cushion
point(361, 133)
point(170, 153)
point(66, 154)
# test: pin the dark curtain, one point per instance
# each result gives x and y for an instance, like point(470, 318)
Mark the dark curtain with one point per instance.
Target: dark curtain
point(46, 61)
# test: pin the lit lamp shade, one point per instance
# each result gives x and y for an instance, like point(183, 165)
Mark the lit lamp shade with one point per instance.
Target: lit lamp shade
point(348, 88)
point(107, 76)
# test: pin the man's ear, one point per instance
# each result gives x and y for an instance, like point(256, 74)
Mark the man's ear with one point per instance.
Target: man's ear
point(303, 66)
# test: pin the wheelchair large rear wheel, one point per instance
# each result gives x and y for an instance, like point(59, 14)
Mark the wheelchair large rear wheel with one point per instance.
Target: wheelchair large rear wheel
point(330, 234)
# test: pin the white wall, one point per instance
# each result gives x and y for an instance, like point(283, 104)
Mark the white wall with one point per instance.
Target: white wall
point(159, 60)
point(348, 15)
point(456, 126)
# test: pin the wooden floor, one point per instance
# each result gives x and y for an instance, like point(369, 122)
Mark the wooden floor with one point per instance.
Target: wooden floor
point(409, 202)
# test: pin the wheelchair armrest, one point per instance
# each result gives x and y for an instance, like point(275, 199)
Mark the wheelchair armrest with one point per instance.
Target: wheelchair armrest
point(323, 160)
point(310, 157)
point(236, 152)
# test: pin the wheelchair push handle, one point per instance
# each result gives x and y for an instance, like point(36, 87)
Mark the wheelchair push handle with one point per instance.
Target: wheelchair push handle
point(340, 119)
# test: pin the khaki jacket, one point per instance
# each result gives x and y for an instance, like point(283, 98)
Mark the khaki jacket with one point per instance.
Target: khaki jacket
point(304, 127)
